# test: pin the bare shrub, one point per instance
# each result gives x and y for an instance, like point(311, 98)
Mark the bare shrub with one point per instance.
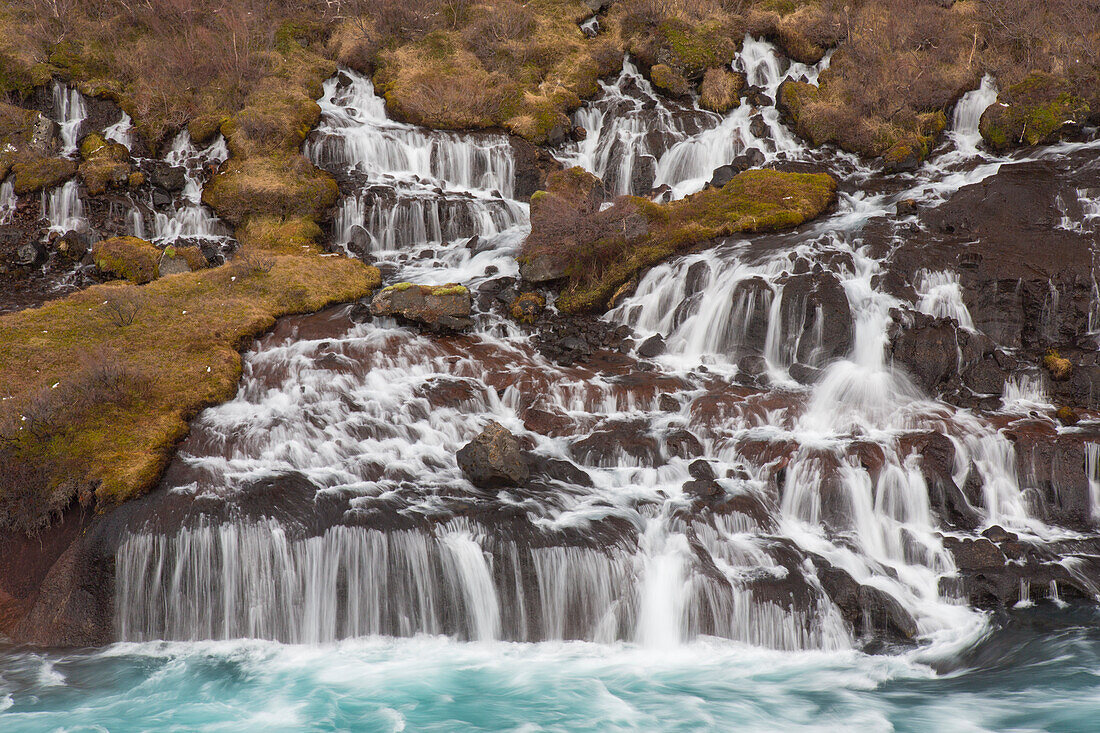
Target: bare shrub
point(250, 262)
point(123, 307)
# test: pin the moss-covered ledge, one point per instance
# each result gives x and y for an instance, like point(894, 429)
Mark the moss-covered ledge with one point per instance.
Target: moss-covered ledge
point(100, 385)
point(600, 251)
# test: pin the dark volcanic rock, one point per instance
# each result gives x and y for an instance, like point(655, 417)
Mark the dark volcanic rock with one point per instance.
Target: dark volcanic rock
point(493, 459)
point(928, 349)
point(442, 307)
point(812, 298)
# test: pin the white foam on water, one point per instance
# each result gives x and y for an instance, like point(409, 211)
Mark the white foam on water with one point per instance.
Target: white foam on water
point(69, 113)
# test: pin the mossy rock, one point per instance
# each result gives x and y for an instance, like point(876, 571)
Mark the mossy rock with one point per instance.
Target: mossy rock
point(1057, 366)
point(754, 201)
point(283, 187)
point(35, 172)
point(106, 164)
point(667, 80)
point(1036, 111)
point(128, 258)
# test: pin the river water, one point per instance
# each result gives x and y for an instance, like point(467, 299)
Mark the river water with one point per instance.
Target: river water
point(1037, 674)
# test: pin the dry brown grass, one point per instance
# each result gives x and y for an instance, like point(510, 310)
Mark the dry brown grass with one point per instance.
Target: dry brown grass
point(602, 250)
point(177, 355)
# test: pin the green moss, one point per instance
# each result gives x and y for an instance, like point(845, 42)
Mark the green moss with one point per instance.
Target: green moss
point(128, 258)
point(663, 77)
point(754, 201)
point(1034, 112)
point(182, 346)
point(36, 172)
point(105, 164)
point(452, 289)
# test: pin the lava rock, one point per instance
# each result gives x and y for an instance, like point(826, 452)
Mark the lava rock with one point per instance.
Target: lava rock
point(652, 346)
point(166, 176)
point(493, 459)
point(445, 307)
point(30, 254)
point(73, 245)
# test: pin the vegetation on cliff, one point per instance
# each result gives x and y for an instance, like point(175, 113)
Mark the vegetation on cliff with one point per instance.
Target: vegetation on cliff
point(601, 250)
point(98, 387)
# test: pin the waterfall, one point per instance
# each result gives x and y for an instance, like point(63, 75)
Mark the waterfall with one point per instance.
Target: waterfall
point(253, 580)
point(968, 113)
point(405, 168)
point(941, 297)
point(121, 132)
point(1092, 471)
point(413, 187)
point(63, 208)
point(637, 140)
point(69, 112)
point(188, 219)
point(325, 498)
point(8, 200)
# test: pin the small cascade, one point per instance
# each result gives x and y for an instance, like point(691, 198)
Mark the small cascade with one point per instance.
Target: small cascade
point(189, 219)
point(637, 140)
point(121, 132)
point(412, 187)
point(1023, 392)
point(967, 115)
point(1092, 472)
point(63, 208)
point(941, 297)
point(8, 200)
point(69, 112)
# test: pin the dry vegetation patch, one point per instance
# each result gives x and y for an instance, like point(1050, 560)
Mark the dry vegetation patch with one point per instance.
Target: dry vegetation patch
point(602, 250)
point(172, 346)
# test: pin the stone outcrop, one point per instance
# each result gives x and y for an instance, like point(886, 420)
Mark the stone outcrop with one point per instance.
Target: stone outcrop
point(493, 459)
point(442, 307)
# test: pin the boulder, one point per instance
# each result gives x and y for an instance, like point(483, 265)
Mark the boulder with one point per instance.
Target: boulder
point(167, 176)
point(30, 254)
point(493, 459)
point(542, 267)
point(806, 300)
point(928, 349)
point(445, 307)
point(172, 265)
point(73, 245)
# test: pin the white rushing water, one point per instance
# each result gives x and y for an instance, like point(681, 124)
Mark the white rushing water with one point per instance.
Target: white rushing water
point(637, 140)
point(69, 112)
point(418, 187)
point(63, 208)
point(968, 113)
point(819, 476)
point(187, 218)
point(8, 200)
point(121, 132)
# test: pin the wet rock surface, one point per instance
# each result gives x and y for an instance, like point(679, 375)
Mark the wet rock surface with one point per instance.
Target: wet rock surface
point(493, 459)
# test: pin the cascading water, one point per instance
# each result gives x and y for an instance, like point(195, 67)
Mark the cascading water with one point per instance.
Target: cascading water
point(968, 113)
point(70, 112)
point(63, 208)
point(413, 187)
point(8, 200)
point(636, 140)
point(188, 219)
point(825, 500)
point(121, 132)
